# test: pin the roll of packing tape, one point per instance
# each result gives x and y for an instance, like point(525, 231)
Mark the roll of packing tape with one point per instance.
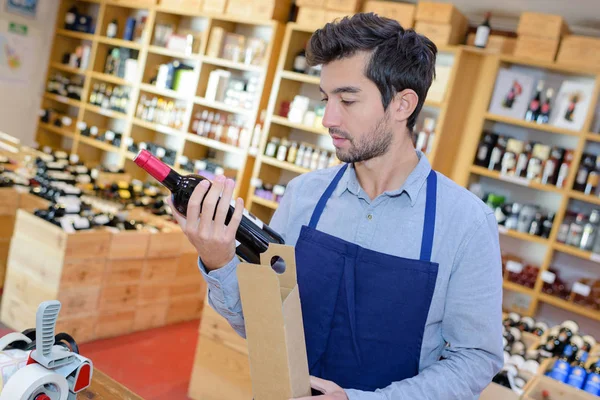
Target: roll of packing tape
point(30, 381)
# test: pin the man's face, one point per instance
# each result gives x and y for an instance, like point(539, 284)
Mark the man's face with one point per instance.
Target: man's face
point(358, 124)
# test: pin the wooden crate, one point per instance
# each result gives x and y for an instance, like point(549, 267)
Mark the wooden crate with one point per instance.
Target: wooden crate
point(309, 3)
point(214, 6)
point(401, 12)
point(115, 323)
point(348, 6)
point(311, 17)
point(581, 50)
point(442, 34)
point(260, 9)
point(541, 25)
point(536, 48)
point(439, 13)
point(498, 392)
point(497, 44)
point(188, 5)
point(556, 389)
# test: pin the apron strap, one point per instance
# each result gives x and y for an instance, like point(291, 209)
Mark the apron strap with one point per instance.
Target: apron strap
point(314, 220)
point(429, 224)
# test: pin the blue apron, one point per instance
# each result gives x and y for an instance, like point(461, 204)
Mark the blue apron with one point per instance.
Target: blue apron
point(364, 312)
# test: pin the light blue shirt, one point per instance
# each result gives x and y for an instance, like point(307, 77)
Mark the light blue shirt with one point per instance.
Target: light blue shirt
point(464, 324)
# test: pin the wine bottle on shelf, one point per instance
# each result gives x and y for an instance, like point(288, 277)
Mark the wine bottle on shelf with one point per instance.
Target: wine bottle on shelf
point(483, 32)
point(544, 115)
point(71, 18)
point(252, 237)
point(533, 111)
point(112, 28)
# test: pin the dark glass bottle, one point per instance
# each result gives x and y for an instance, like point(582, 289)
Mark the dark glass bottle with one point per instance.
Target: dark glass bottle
point(534, 105)
point(253, 235)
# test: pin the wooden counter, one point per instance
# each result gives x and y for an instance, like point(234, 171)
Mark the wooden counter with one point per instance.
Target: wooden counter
point(105, 388)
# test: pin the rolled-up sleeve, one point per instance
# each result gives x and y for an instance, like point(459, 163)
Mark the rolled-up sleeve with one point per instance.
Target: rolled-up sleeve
point(471, 327)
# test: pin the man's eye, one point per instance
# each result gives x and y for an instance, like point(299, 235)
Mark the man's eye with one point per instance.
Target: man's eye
point(324, 100)
point(347, 102)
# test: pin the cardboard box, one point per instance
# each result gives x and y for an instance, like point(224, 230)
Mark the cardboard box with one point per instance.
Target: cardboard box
point(351, 6)
point(214, 6)
point(401, 12)
point(441, 13)
point(582, 50)
point(274, 328)
point(442, 34)
point(540, 25)
point(188, 5)
point(311, 17)
point(260, 9)
point(331, 16)
point(558, 390)
point(497, 44)
point(498, 392)
point(536, 48)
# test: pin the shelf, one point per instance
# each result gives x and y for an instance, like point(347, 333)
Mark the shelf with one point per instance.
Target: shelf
point(109, 78)
point(231, 64)
point(569, 69)
point(163, 92)
point(166, 130)
point(475, 169)
point(98, 144)
point(222, 106)
point(66, 68)
point(514, 287)
point(593, 137)
point(276, 119)
point(572, 307)
point(522, 236)
point(531, 125)
point(105, 112)
point(214, 144)
point(284, 165)
point(584, 197)
point(74, 34)
point(265, 202)
point(130, 155)
point(436, 104)
point(120, 43)
point(179, 11)
point(57, 130)
point(62, 99)
point(298, 77)
point(129, 4)
point(172, 53)
point(574, 251)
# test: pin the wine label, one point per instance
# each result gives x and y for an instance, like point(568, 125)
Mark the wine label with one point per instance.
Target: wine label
point(514, 266)
point(548, 277)
point(67, 225)
point(81, 223)
point(57, 164)
point(251, 217)
point(581, 289)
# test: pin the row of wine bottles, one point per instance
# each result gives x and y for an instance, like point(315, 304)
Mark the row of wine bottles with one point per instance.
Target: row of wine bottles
point(110, 97)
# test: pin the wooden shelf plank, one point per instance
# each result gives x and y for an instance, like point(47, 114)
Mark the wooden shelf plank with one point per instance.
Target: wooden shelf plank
point(119, 43)
point(213, 144)
point(242, 20)
point(98, 144)
point(522, 236)
point(232, 64)
point(57, 130)
point(109, 78)
point(284, 165)
point(222, 106)
point(164, 92)
point(62, 99)
point(105, 112)
point(264, 202)
point(276, 119)
point(572, 307)
point(75, 34)
point(180, 11)
point(574, 251)
point(531, 125)
point(574, 194)
point(129, 4)
point(481, 171)
point(166, 130)
point(66, 68)
point(431, 103)
point(172, 53)
point(298, 77)
point(514, 287)
point(564, 68)
point(130, 155)
point(595, 137)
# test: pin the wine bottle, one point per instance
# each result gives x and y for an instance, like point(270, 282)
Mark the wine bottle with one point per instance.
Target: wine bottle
point(544, 115)
point(592, 385)
point(578, 373)
point(252, 237)
point(562, 369)
point(534, 106)
point(483, 32)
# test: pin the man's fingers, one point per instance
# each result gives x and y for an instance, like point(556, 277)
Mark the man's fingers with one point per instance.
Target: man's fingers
point(178, 217)
point(236, 218)
point(223, 205)
point(323, 385)
point(195, 202)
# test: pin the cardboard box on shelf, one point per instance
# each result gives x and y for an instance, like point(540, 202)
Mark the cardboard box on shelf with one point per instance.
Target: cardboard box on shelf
point(498, 392)
point(536, 48)
point(496, 44)
point(401, 12)
point(441, 13)
point(274, 328)
point(582, 50)
point(311, 17)
point(540, 25)
point(442, 34)
point(331, 16)
point(188, 5)
point(351, 6)
point(260, 9)
point(557, 390)
point(214, 6)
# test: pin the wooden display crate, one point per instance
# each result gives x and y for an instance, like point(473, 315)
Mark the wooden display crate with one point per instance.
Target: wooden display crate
point(214, 6)
point(188, 5)
point(540, 25)
point(401, 12)
point(496, 44)
point(536, 48)
point(439, 13)
point(556, 389)
point(349, 6)
point(109, 284)
point(442, 34)
point(260, 9)
point(580, 50)
point(315, 18)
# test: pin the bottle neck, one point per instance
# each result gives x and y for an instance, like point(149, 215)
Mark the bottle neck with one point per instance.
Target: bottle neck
point(158, 169)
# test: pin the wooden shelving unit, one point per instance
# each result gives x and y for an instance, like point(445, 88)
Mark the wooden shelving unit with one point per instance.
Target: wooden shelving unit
point(465, 171)
point(148, 57)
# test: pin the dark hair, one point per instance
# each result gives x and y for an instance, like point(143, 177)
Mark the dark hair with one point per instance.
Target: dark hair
point(400, 59)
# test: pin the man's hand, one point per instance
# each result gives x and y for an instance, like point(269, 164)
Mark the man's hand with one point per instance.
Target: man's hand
point(330, 389)
point(214, 241)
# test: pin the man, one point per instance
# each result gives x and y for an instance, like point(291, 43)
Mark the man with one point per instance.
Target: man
point(398, 268)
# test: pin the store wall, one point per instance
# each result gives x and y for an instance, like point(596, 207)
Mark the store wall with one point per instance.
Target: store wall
point(20, 100)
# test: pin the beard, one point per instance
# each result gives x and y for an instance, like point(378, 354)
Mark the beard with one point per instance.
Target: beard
point(374, 144)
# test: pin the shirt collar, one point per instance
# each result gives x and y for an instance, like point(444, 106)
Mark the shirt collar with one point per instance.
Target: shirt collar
point(412, 186)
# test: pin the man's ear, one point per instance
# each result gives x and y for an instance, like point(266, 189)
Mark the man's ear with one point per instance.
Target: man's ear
point(404, 104)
